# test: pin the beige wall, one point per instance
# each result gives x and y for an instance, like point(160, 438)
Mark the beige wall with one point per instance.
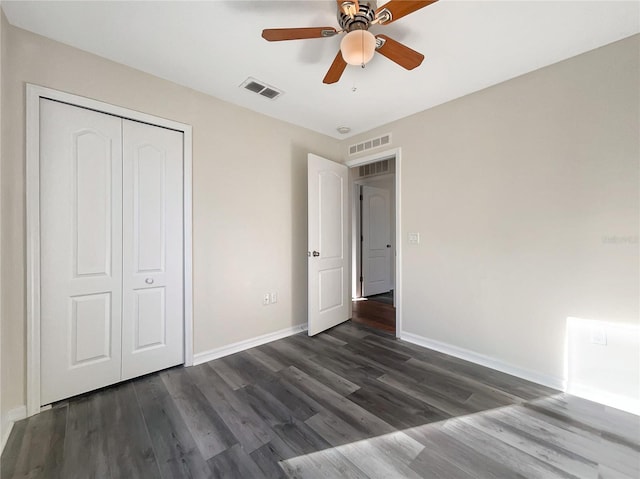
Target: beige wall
point(249, 198)
point(3, 425)
point(518, 192)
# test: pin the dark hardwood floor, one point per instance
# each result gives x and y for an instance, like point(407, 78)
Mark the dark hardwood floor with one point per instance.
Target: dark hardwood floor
point(375, 314)
point(348, 403)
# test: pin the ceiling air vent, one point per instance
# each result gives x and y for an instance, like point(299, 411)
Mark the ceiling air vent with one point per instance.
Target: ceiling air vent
point(366, 145)
point(261, 88)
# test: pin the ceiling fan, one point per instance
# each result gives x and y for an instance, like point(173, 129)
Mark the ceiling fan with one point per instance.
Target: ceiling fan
point(359, 45)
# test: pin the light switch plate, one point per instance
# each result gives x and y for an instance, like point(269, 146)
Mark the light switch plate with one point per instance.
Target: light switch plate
point(414, 238)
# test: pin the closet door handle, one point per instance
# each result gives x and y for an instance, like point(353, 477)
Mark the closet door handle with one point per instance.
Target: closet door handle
point(149, 280)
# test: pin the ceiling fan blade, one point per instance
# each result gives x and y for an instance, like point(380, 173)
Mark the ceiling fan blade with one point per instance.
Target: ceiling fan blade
point(335, 70)
point(399, 53)
point(400, 8)
point(278, 34)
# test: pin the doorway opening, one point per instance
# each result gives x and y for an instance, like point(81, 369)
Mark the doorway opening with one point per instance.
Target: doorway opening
point(374, 251)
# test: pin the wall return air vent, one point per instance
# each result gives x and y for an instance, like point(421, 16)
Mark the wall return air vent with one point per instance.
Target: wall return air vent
point(381, 167)
point(261, 88)
point(384, 140)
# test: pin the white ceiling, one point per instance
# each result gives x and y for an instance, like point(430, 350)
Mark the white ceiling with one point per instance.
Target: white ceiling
point(213, 46)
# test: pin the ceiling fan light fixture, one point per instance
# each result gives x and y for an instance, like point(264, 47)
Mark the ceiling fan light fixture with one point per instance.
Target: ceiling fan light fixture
point(358, 47)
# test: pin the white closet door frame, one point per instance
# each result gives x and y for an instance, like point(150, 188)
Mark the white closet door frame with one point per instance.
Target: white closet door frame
point(34, 94)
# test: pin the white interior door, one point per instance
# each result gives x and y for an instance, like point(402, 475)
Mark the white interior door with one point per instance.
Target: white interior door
point(376, 241)
point(152, 302)
point(328, 244)
point(81, 249)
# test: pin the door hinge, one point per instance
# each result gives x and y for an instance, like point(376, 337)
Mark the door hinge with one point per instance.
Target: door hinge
point(361, 279)
point(361, 198)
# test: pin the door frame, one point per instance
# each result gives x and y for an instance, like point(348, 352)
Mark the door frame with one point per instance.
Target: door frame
point(397, 154)
point(33, 95)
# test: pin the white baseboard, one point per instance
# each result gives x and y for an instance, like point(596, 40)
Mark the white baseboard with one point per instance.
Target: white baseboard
point(8, 420)
point(617, 401)
point(212, 354)
point(488, 361)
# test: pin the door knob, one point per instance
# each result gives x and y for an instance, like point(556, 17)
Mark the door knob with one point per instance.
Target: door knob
point(316, 253)
point(388, 246)
point(149, 280)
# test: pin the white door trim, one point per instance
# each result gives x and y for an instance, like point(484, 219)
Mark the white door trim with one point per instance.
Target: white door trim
point(34, 94)
point(397, 153)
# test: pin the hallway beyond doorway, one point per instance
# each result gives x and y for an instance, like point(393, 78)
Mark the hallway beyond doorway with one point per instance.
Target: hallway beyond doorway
point(376, 312)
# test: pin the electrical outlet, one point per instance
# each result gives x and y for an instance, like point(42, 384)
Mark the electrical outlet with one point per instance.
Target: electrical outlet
point(274, 297)
point(265, 299)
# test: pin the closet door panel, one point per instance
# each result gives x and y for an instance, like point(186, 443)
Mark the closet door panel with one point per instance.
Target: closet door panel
point(81, 249)
point(152, 336)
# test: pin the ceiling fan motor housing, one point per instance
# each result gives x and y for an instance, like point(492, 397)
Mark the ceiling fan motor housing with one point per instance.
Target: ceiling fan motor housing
point(361, 19)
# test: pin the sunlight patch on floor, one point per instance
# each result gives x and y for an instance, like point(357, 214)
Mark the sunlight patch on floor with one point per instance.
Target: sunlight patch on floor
point(389, 455)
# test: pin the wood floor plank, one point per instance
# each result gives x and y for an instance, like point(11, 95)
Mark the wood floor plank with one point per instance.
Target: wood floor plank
point(247, 427)
point(430, 465)
point(267, 360)
point(85, 446)
point(343, 408)
point(293, 354)
point(254, 372)
point(606, 472)
point(583, 443)
point(505, 382)
point(588, 443)
point(611, 421)
point(348, 332)
point(493, 395)
point(424, 393)
point(266, 406)
point(563, 460)
point(129, 447)
point(323, 464)
point(205, 425)
point(379, 456)
point(233, 377)
point(472, 460)
point(301, 405)
point(268, 459)
point(399, 409)
point(330, 339)
point(175, 449)
point(300, 438)
point(15, 444)
point(549, 407)
point(339, 360)
point(45, 437)
point(464, 430)
point(234, 463)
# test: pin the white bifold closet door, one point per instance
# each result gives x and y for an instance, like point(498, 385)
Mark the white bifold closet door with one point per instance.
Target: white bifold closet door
point(111, 249)
point(152, 253)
